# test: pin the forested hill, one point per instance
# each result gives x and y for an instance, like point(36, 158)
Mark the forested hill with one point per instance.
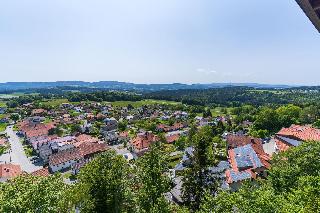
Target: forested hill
point(235, 96)
point(116, 85)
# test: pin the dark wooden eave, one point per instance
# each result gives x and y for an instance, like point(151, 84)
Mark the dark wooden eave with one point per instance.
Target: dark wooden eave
point(312, 9)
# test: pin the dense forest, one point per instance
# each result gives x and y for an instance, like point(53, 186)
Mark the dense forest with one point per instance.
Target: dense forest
point(227, 96)
point(236, 96)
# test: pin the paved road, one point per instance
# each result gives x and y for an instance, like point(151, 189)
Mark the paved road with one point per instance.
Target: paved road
point(17, 154)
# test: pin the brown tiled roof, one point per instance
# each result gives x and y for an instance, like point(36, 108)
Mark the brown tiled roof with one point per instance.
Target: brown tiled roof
point(38, 111)
point(44, 172)
point(143, 140)
point(172, 138)
point(235, 141)
point(82, 151)
point(64, 156)
point(9, 170)
point(35, 130)
point(88, 149)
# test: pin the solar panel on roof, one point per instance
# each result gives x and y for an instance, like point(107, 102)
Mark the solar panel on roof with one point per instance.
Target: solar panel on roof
point(246, 157)
point(239, 176)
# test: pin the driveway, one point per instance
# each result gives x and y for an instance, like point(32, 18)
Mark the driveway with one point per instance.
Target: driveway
point(17, 155)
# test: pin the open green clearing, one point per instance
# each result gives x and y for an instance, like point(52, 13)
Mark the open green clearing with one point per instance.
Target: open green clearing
point(3, 127)
point(3, 104)
point(219, 111)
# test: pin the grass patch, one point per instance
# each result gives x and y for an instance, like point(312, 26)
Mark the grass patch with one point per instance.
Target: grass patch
point(221, 111)
point(3, 127)
point(3, 103)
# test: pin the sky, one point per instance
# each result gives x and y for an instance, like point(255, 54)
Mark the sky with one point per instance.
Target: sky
point(158, 41)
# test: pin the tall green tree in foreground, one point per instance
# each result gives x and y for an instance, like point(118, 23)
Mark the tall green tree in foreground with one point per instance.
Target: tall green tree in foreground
point(105, 185)
point(35, 194)
point(197, 180)
point(153, 180)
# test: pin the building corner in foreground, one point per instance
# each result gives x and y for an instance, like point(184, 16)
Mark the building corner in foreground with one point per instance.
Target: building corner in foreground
point(312, 9)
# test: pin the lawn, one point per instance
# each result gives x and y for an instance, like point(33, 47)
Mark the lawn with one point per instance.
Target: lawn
point(2, 103)
point(3, 127)
point(141, 103)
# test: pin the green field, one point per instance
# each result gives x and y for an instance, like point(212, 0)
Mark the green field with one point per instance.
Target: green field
point(217, 111)
point(141, 103)
point(3, 127)
point(2, 104)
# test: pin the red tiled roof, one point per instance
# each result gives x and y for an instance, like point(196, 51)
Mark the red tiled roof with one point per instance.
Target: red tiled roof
point(172, 138)
point(144, 140)
point(83, 138)
point(241, 140)
point(258, 149)
point(124, 134)
point(167, 128)
point(304, 133)
point(9, 170)
point(35, 130)
point(88, 149)
point(64, 156)
point(44, 172)
point(77, 153)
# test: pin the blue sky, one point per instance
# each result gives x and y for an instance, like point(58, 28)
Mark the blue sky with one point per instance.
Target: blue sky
point(158, 41)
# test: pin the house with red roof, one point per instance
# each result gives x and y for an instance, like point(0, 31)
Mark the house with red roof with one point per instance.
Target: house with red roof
point(72, 158)
point(8, 171)
point(247, 159)
point(143, 141)
point(294, 136)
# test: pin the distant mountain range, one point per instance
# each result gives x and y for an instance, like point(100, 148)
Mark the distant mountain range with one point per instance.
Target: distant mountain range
point(115, 85)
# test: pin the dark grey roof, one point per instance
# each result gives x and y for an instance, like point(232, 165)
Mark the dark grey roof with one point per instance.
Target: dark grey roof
point(290, 141)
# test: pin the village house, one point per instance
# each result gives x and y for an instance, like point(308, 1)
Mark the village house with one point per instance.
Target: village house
point(167, 128)
point(294, 136)
point(3, 110)
point(75, 158)
point(110, 124)
point(8, 171)
point(44, 172)
point(111, 137)
point(142, 142)
point(32, 130)
point(38, 112)
point(247, 159)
